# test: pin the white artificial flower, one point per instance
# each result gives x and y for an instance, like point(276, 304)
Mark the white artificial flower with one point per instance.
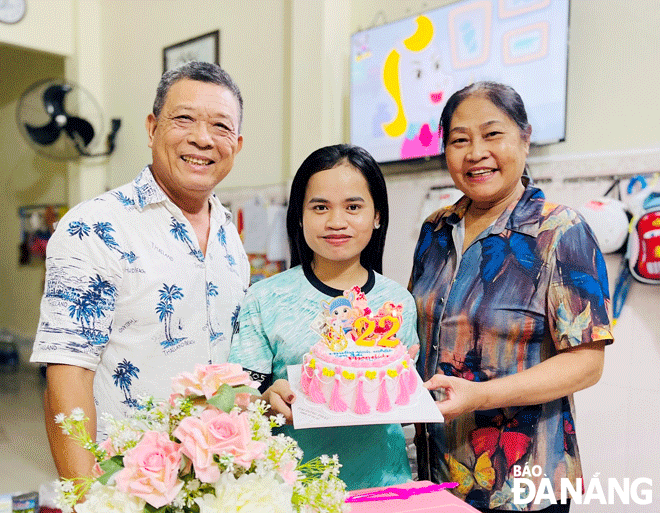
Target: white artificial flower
point(77, 414)
point(249, 493)
point(67, 486)
point(61, 488)
point(180, 500)
point(59, 418)
point(193, 484)
point(107, 499)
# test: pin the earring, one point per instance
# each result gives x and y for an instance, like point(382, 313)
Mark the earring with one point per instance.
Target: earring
point(376, 225)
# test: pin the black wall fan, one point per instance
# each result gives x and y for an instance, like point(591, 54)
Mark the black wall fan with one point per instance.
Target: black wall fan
point(62, 120)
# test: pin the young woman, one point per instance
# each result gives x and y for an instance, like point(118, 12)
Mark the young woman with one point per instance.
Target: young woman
point(512, 296)
point(336, 222)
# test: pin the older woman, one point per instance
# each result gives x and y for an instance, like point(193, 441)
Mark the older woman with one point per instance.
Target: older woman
point(512, 302)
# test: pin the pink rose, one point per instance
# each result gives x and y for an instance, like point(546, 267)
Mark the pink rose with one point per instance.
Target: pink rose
point(217, 432)
point(288, 472)
point(107, 446)
point(186, 384)
point(151, 470)
point(213, 376)
point(208, 378)
point(231, 433)
point(196, 445)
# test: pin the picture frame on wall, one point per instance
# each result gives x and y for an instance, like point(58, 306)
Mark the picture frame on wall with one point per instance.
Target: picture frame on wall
point(204, 48)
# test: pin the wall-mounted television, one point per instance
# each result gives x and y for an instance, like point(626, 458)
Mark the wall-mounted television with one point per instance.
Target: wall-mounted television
point(403, 72)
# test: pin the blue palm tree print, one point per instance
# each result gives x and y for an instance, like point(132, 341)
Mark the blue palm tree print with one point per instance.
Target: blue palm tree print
point(122, 377)
point(222, 237)
point(104, 230)
point(91, 305)
point(211, 291)
point(180, 232)
point(78, 228)
point(125, 200)
point(165, 309)
point(234, 317)
point(144, 192)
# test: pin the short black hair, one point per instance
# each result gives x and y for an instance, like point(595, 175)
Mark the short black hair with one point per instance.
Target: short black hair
point(202, 72)
point(327, 158)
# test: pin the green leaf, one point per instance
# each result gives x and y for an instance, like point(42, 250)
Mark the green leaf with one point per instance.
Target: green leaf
point(148, 508)
point(225, 397)
point(244, 389)
point(110, 467)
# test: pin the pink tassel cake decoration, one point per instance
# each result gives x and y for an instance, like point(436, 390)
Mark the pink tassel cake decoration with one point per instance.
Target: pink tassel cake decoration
point(361, 405)
point(315, 392)
point(383, 399)
point(412, 381)
point(336, 402)
point(305, 379)
point(403, 397)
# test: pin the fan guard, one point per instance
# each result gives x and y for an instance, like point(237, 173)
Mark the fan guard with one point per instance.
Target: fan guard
point(62, 120)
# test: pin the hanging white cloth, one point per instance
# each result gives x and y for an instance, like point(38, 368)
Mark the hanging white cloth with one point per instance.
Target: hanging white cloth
point(255, 225)
point(277, 248)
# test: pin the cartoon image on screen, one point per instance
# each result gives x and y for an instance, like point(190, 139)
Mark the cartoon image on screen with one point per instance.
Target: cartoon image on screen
point(418, 85)
point(402, 73)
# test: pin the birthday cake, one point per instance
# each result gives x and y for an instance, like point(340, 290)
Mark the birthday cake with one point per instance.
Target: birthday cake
point(358, 364)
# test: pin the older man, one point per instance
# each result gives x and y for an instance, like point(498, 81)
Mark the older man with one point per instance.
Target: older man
point(146, 280)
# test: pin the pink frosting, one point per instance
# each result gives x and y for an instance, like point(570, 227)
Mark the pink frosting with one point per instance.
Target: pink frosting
point(367, 357)
point(337, 391)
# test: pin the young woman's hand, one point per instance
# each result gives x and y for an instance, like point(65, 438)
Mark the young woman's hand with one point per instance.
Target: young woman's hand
point(280, 397)
point(412, 352)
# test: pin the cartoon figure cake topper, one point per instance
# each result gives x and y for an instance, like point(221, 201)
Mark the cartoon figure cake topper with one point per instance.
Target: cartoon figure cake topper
point(347, 318)
point(340, 314)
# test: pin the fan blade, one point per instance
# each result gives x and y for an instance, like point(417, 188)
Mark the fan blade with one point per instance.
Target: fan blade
point(54, 99)
point(44, 135)
point(79, 128)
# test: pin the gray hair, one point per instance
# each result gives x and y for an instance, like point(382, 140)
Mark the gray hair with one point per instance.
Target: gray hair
point(202, 72)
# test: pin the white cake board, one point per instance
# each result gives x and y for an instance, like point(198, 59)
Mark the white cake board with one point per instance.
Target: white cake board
point(308, 414)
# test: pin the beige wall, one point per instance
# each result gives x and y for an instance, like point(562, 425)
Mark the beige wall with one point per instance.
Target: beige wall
point(253, 49)
point(25, 179)
point(47, 26)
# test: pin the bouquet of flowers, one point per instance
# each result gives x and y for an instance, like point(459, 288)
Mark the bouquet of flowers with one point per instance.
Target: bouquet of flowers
point(208, 449)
